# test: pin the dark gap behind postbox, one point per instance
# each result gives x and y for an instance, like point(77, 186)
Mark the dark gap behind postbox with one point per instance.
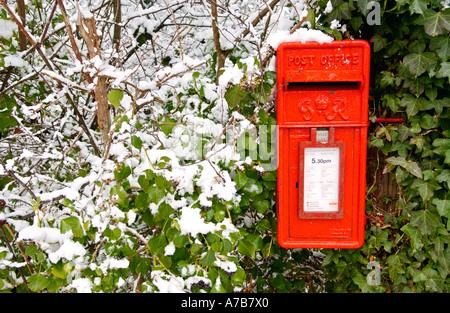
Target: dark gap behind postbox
point(300, 86)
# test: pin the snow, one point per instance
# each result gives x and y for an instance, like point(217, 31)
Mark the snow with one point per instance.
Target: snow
point(167, 283)
point(112, 263)
point(7, 28)
point(169, 249)
point(43, 235)
point(68, 250)
point(300, 35)
point(231, 75)
point(191, 222)
point(228, 266)
point(328, 8)
point(14, 60)
point(82, 285)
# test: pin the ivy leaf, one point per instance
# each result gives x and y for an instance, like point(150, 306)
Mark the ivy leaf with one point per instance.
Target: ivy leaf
point(379, 42)
point(443, 146)
point(362, 283)
point(158, 243)
point(414, 234)
point(428, 122)
point(412, 104)
point(235, 96)
point(261, 205)
point(72, 223)
point(252, 187)
point(435, 22)
point(426, 188)
point(240, 179)
point(395, 266)
point(142, 201)
point(417, 63)
point(245, 247)
point(115, 96)
point(209, 258)
point(38, 282)
point(6, 120)
point(444, 71)
point(136, 142)
point(442, 206)
point(410, 166)
point(441, 45)
point(425, 220)
point(444, 176)
point(340, 11)
point(444, 262)
point(404, 133)
point(417, 6)
point(167, 125)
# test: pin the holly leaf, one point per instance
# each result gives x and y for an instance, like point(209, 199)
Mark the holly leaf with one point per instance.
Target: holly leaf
point(435, 22)
point(417, 63)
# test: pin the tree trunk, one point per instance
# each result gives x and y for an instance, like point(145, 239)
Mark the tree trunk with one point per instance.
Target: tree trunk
point(117, 8)
point(103, 118)
point(88, 31)
point(22, 15)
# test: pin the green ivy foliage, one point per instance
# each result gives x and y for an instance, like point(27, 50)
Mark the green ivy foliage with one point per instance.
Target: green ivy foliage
point(409, 79)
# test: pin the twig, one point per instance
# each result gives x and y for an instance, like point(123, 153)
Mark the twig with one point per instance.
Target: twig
point(176, 27)
point(12, 175)
point(15, 259)
point(25, 32)
point(71, 37)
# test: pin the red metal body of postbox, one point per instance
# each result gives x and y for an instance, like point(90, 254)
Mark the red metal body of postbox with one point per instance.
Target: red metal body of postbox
point(322, 118)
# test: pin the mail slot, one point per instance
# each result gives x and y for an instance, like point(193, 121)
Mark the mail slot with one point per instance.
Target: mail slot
point(322, 118)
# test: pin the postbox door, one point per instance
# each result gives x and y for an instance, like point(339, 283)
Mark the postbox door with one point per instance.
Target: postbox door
point(322, 87)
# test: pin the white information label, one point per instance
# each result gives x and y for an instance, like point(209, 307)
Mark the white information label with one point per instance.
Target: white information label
point(321, 180)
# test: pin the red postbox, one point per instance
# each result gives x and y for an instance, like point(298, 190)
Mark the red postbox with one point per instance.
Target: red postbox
point(322, 118)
